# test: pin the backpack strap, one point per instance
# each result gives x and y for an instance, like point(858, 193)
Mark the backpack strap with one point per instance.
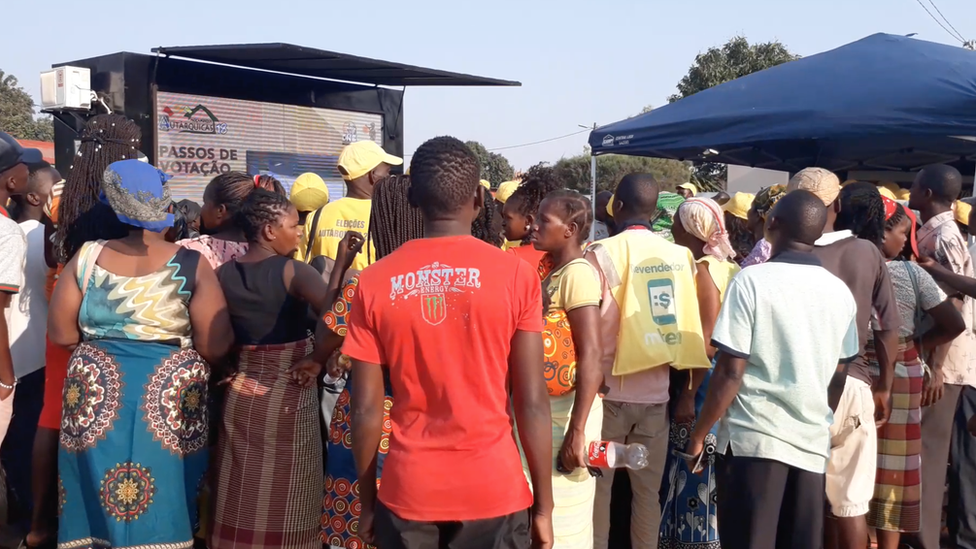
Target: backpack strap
point(311, 237)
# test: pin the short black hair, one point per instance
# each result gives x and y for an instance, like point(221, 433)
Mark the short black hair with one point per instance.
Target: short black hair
point(862, 211)
point(36, 169)
point(638, 192)
point(943, 180)
point(444, 174)
point(800, 216)
point(260, 208)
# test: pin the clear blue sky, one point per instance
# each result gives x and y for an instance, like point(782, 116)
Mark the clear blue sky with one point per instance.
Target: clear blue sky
point(579, 62)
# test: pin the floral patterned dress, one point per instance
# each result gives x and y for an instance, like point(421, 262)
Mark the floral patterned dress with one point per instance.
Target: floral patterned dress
point(133, 443)
point(341, 506)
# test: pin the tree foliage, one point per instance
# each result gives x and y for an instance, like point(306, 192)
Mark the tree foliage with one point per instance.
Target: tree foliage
point(719, 65)
point(495, 168)
point(611, 168)
point(17, 112)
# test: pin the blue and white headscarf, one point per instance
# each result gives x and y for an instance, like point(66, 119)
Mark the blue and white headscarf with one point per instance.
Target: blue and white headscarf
point(137, 192)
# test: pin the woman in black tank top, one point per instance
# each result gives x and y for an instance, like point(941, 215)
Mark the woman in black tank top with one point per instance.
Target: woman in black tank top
point(269, 452)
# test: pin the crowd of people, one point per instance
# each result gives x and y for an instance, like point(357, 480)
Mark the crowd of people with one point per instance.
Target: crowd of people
point(427, 363)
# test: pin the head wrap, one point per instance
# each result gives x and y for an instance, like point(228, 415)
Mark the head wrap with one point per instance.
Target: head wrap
point(891, 207)
point(703, 219)
point(667, 207)
point(767, 198)
point(136, 192)
point(821, 182)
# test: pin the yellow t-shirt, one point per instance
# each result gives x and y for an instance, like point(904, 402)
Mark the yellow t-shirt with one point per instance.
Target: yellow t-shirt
point(653, 284)
point(509, 244)
point(721, 273)
point(575, 285)
point(345, 214)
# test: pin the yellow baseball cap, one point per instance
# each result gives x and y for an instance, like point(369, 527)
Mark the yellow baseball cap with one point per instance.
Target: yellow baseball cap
point(610, 205)
point(486, 184)
point(359, 158)
point(886, 192)
point(739, 205)
point(962, 212)
point(505, 190)
point(689, 186)
point(903, 194)
point(309, 192)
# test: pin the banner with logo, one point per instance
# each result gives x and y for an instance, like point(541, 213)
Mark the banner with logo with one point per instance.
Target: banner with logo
point(199, 137)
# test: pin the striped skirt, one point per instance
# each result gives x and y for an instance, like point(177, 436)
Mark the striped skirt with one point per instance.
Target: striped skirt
point(898, 485)
point(268, 477)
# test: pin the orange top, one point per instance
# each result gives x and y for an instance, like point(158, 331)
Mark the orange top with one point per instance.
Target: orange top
point(440, 314)
point(534, 257)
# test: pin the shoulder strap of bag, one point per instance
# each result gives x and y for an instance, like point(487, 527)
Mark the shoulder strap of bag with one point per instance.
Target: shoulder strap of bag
point(311, 237)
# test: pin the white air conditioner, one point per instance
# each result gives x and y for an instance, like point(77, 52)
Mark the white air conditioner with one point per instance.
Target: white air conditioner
point(66, 88)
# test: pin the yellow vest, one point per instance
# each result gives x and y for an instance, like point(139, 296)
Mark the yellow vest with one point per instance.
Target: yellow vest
point(653, 284)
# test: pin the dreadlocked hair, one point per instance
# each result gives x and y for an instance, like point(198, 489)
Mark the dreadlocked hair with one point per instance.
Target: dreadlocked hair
point(740, 236)
point(269, 183)
point(392, 220)
point(106, 138)
point(259, 209)
point(862, 212)
point(574, 208)
point(538, 182)
point(481, 226)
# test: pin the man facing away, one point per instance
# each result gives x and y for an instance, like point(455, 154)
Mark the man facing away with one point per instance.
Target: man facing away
point(28, 327)
point(644, 272)
point(944, 419)
point(14, 175)
point(859, 404)
point(362, 164)
point(456, 326)
point(781, 329)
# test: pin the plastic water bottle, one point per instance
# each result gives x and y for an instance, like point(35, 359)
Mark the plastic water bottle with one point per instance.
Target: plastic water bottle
point(613, 455)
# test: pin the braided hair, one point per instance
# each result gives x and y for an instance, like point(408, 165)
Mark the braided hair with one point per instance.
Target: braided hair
point(231, 189)
point(896, 219)
point(538, 182)
point(392, 220)
point(259, 209)
point(575, 208)
point(862, 212)
point(269, 183)
point(740, 236)
point(106, 138)
point(482, 227)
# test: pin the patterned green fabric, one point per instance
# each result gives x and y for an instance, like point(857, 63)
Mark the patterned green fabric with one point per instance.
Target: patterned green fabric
point(667, 208)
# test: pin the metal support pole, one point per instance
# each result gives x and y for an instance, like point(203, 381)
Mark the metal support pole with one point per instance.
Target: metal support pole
point(593, 193)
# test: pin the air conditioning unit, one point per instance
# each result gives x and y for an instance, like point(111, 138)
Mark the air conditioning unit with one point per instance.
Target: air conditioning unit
point(66, 88)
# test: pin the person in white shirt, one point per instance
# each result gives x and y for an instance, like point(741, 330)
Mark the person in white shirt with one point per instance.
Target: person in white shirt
point(782, 327)
point(27, 327)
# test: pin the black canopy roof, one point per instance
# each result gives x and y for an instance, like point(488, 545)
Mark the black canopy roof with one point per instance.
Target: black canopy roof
point(299, 60)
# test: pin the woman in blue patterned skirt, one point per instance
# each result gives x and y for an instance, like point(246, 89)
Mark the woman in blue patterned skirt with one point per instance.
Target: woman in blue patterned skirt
point(144, 314)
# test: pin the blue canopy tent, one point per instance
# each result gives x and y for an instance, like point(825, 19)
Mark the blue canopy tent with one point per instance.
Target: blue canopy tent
point(882, 103)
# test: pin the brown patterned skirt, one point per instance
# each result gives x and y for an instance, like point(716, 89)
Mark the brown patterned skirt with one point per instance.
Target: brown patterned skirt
point(269, 455)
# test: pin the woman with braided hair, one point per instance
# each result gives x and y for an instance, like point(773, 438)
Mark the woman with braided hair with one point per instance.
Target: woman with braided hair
point(222, 240)
point(270, 429)
point(571, 297)
point(392, 222)
point(80, 217)
point(520, 211)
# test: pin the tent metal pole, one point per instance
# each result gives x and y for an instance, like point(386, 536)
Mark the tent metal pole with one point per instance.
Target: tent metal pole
point(593, 195)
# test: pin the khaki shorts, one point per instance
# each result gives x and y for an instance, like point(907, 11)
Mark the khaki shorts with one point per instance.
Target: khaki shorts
point(853, 461)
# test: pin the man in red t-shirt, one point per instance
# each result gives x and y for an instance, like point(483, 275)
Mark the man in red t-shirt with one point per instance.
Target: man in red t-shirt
point(456, 323)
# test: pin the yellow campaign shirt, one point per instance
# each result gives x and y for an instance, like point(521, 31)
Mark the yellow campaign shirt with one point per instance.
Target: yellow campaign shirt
point(337, 218)
point(575, 285)
point(653, 284)
point(721, 273)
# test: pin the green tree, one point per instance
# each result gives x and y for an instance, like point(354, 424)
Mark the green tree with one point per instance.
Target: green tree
point(495, 168)
point(17, 112)
point(611, 168)
point(716, 66)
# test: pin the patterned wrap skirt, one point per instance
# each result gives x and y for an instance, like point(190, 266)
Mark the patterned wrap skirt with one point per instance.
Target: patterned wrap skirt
point(898, 484)
point(268, 469)
point(133, 445)
point(341, 506)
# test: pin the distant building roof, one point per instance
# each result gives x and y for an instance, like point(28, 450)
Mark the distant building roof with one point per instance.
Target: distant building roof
point(303, 61)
